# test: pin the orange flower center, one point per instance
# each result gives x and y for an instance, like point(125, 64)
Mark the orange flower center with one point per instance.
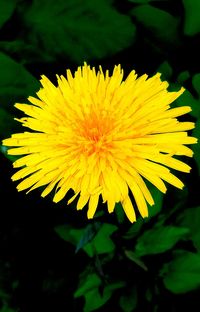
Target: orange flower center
point(95, 133)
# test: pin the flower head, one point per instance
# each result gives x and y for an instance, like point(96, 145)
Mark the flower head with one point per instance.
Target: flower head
point(99, 135)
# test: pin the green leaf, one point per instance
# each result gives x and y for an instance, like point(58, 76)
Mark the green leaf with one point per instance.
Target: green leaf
point(4, 150)
point(183, 273)
point(195, 147)
point(7, 8)
point(162, 24)
point(89, 288)
point(187, 99)
point(128, 302)
point(192, 20)
point(116, 285)
point(131, 256)
point(196, 83)
point(101, 242)
point(159, 240)
point(67, 233)
point(16, 83)
point(88, 234)
point(166, 70)
point(25, 52)
point(183, 76)
point(190, 219)
point(92, 281)
point(93, 299)
point(78, 29)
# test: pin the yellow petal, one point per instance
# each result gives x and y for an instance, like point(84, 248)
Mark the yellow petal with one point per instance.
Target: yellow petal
point(93, 202)
point(72, 198)
point(129, 210)
point(139, 198)
point(83, 199)
point(111, 205)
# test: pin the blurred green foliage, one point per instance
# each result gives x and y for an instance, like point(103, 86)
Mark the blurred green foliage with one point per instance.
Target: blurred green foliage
point(157, 22)
point(77, 29)
point(7, 9)
point(183, 273)
point(90, 239)
point(158, 240)
point(192, 22)
point(52, 258)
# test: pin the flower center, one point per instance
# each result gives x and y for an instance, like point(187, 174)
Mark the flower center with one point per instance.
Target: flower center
point(95, 131)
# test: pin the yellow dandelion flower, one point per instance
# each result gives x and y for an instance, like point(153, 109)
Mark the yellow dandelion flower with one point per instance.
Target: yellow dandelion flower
point(99, 135)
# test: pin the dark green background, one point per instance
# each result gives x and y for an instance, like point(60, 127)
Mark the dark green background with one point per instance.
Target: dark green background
point(51, 257)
